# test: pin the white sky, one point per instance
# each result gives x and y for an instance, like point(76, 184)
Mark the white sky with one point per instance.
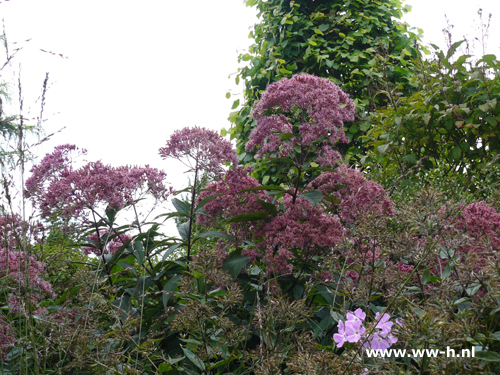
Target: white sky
point(137, 70)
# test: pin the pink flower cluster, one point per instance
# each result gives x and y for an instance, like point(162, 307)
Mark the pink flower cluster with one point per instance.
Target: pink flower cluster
point(482, 224)
point(58, 189)
point(202, 148)
point(300, 227)
point(7, 338)
point(99, 246)
point(351, 194)
point(310, 110)
point(232, 201)
point(25, 274)
point(13, 229)
point(353, 331)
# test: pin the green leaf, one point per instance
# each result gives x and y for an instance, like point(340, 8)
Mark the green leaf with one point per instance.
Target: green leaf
point(383, 148)
point(426, 277)
point(286, 136)
point(228, 95)
point(181, 207)
point(140, 287)
point(192, 357)
point(410, 159)
point(215, 234)
point(221, 363)
point(164, 367)
point(267, 187)
point(446, 271)
point(489, 59)
point(487, 356)
point(236, 104)
point(170, 250)
point(183, 229)
point(314, 197)
point(456, 153)
point(234, 264)
point(139, 251)
point(269, 207)
point(248, 217)
point(169, 287)
point(285, 71)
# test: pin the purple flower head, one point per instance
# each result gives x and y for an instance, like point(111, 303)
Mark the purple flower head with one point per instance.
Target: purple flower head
point(59, 189)
point(201, 149)
point(230, 201)
point(352, 330)
point(302, 226)
point(354, 192)
point(302, 111)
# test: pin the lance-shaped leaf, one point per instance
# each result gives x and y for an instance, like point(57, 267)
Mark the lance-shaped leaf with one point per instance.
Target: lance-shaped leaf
point(249, 217)
point(314, 197)
point(235, 263)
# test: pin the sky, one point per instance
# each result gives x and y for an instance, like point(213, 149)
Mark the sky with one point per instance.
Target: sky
point(133, 72)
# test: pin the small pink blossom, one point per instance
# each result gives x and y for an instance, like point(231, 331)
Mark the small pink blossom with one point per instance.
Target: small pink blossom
point(354, 330)
point(358, 315)
point(384, 323)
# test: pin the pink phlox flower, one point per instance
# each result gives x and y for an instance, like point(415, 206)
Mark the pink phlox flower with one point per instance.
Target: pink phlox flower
point(391, 339)
point(340, 338)
point(354, 330)
point(384, 323)
point(379, 342)
point(358, 315)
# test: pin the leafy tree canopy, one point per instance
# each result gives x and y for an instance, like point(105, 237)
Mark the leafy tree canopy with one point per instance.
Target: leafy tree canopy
point(361, 45)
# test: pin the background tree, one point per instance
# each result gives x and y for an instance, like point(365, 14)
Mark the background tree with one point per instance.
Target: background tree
point(449, 123)
point(359, 44)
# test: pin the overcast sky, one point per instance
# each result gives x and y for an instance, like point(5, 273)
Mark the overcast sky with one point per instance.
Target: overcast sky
point(134, 71)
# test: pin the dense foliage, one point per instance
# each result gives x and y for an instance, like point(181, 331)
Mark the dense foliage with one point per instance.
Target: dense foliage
point(449, 123)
